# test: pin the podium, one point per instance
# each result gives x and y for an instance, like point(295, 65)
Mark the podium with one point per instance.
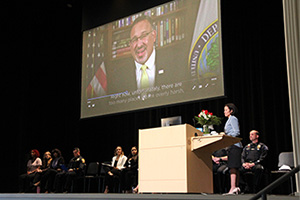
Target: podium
point(173, 160)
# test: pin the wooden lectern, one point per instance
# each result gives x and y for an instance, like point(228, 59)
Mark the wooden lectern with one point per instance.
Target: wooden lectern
point(173, 160)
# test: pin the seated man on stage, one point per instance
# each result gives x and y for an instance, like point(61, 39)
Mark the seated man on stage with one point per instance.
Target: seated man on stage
point(253, 156)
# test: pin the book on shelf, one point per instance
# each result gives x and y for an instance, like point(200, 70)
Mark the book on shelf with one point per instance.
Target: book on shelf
point(169, 27)
point(168, 31)
point(154, 12)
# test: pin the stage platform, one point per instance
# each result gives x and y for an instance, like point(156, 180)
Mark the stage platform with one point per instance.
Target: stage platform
point(101, 196)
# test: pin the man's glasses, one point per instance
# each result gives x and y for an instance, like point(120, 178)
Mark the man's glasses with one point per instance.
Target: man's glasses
point(134, 40)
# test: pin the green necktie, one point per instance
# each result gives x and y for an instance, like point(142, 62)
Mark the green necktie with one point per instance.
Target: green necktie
point(144, 78)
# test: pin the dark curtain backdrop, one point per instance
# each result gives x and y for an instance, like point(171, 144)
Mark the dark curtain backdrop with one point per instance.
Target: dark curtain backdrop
point(42, 82)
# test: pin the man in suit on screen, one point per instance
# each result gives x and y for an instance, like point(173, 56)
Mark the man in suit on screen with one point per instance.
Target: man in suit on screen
point(142, 39)
point(150, 64)
point(148, 67)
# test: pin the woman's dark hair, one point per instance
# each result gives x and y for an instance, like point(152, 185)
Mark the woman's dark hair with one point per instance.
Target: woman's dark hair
point(232, 108)
point(135, 156)
point(56, 151)
point(135, 148)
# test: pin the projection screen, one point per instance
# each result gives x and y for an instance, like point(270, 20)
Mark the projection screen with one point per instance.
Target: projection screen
point(165, 55)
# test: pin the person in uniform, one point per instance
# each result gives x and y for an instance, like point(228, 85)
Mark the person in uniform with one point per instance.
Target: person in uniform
point(75, 168)
point(253, 156)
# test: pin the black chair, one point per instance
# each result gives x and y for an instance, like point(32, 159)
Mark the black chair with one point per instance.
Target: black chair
point(91, 173)
point(101, 179)
point(285, 164)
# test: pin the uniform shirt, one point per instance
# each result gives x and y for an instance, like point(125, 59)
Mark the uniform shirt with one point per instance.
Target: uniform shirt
point(77, 164)
point(254, 153)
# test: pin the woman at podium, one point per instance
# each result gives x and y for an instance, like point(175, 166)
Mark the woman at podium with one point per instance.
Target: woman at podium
point(234, 152)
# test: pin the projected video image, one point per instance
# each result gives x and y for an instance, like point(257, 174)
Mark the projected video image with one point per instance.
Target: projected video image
point(165, 55)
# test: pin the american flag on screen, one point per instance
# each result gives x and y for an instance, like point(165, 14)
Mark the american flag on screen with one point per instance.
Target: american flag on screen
point(98, 84)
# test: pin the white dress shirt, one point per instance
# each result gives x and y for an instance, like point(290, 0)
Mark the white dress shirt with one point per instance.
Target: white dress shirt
point(150, 63)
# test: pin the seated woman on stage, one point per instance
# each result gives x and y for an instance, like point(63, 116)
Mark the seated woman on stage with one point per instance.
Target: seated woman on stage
point(33, 164)
point(114, 172)
point(40, 172)
point(55, 167)
point(131, 171)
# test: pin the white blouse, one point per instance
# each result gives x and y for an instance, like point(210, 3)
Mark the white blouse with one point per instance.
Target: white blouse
point(121, 162)
point(31, 166)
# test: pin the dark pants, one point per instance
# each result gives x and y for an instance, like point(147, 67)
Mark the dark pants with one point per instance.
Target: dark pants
point(38, 177)
point(130, 178)
point(58, 181)
point(220, 172)
point(70, 176)
point(253, 179)
point(25, 182)
point(63, 180)
point(111, 180)
point(48, 180)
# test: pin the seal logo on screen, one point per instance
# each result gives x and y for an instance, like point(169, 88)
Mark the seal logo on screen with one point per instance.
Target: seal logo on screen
point(204, 59)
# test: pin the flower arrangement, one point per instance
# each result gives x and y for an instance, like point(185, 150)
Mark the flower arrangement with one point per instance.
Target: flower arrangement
point(207, 118)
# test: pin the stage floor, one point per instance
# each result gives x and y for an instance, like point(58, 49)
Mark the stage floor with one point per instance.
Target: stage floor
point(102, 196)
